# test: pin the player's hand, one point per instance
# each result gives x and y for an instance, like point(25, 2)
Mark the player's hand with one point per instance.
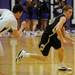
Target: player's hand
point(64, 41)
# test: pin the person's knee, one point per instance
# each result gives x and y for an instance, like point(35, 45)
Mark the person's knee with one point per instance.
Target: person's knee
point(57, 46)
point(45, 53)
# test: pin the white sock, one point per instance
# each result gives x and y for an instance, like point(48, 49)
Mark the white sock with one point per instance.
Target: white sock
point(26, 55)
point(62, 65)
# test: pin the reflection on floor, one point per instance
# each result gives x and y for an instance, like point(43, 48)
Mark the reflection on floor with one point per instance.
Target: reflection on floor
point(32, 66)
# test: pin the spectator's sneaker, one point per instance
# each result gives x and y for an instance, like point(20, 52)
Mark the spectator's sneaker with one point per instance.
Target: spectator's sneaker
point(33, 33)
point(39, 33)
point(27, 33)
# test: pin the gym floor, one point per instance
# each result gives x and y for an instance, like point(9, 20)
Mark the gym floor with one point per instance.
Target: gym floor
point(9, 47)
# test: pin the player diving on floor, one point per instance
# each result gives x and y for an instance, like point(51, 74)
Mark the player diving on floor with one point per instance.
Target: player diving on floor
point(8, 20)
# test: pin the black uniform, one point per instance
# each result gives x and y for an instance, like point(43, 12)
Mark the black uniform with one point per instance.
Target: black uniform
point(54, 41)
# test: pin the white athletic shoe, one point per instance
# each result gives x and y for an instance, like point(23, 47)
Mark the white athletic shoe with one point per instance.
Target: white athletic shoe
point(27, 33)
point(64, 68)
point(22, 54)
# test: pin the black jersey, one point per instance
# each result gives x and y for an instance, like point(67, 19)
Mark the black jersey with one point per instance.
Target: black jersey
point(56, 20)
point(53, 24)
point(48, 30)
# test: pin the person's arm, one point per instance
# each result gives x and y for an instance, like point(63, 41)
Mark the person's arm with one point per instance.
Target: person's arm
point(23, 25)
point(66, 36)
point(60, 36)
point(59, 26)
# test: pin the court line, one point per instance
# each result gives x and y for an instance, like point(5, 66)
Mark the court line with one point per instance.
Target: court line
point(1, 49)
point(53, 65)
point(41, 70)
point(74, 56)
point(31, 70)
point(13, 43)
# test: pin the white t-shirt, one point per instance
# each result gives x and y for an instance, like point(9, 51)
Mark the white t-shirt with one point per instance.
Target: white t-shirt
point(7, 20)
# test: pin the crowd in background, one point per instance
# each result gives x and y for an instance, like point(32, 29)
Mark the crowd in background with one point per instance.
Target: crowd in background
point(36, 13)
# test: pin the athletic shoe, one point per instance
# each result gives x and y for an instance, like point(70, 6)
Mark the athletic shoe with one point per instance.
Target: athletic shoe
point(22, 54)
point(64, 68)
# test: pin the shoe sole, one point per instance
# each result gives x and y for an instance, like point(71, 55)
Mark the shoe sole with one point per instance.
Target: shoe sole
point(18, 58)
point(64, 69)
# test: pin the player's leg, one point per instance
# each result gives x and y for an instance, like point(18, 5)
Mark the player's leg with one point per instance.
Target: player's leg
point(62, 66)
point(23, 26)
point(46, 49)
point(56, 43)
point(44, 16)
point(34, 18)
point(24, 54)
point(34, 24)
point(61, 54)
point(44, 23)
point(44, 39)
point(25, 21)
point(44, 20)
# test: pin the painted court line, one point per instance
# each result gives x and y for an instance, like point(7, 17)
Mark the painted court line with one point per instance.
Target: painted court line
point(74, 57)
point(1, 49)
point(13, 43)
point(41, 70)
point(53, 65)
point(31, 70)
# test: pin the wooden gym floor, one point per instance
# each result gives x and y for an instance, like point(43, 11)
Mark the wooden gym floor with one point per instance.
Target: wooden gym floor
point(9, 47)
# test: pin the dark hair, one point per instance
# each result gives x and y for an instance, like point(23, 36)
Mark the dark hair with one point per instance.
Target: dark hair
point(17, 8)
point(66, 7)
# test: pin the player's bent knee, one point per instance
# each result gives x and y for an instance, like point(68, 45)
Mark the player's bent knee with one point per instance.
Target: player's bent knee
point(57, 48)
point(44, 53)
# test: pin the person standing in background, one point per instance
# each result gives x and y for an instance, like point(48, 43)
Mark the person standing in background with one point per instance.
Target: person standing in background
point(44, 14)
point(25, 18)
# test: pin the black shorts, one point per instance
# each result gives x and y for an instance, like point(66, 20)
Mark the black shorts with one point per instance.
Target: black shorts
point(45, 35)
point(54, 42)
